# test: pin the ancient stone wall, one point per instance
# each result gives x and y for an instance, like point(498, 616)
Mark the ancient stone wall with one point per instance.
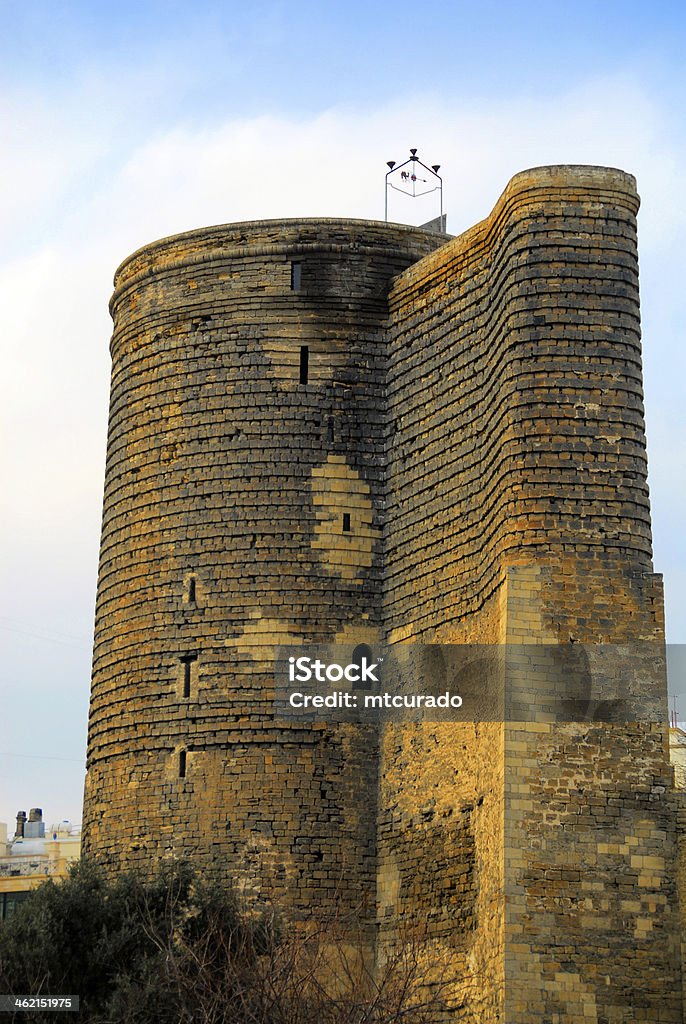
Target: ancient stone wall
point(518, 514)
point(515, 399)
point(338, 431)
point(243, 509)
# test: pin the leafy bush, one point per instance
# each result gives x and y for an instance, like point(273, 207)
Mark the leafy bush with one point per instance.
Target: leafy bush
point(118, 944)
point(177, 950)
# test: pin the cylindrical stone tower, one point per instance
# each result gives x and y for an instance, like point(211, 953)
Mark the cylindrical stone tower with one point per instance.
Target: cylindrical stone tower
point(279, 391)
point(242, 510)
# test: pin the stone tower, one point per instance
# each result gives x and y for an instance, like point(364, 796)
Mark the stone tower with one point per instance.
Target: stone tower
point(346, 431)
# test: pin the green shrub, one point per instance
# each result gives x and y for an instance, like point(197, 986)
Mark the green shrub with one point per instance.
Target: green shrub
point(126, 946)
point(177, 950)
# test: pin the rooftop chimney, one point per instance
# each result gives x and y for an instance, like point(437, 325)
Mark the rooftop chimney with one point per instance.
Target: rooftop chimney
point(35, 829)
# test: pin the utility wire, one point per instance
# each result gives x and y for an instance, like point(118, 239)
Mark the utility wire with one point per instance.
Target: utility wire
point(42, 757)
point(64, 640)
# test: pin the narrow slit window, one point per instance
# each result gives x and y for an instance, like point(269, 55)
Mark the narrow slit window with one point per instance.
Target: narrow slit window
point(331, 430)
point(182, 764)
point(187, 661)
point(191, 590)
point(296, 276)
point(362, 657)
point(304, 363)
point(346, 522)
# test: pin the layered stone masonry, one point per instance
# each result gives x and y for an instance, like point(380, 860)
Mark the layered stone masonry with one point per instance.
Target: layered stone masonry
point(246, 424)
point(515, 400)
point(518, 513)
point(340, 431)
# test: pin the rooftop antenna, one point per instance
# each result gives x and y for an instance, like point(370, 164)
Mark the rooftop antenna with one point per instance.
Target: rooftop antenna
point(407, 178)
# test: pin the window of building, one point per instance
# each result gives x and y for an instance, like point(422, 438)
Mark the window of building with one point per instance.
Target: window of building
point(362, 654)
point(304, 363)
point(187, 662)
point(9, 901)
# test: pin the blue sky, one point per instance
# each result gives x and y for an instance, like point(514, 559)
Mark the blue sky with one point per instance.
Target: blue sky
point(297, 56)
point(124, 123)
